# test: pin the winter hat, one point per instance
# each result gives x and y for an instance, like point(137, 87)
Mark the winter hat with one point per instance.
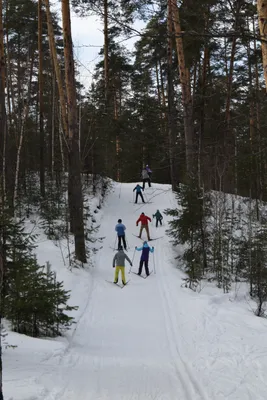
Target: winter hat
point(145, 242)
point(120, 248)
point(119, 221)
point(143, 214)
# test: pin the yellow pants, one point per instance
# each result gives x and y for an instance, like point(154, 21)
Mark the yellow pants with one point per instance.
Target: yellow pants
point(117, 270)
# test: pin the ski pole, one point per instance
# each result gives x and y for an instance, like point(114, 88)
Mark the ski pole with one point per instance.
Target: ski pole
point(146, 197)
point(132, 261)
point(115, 242)
point(154, 263)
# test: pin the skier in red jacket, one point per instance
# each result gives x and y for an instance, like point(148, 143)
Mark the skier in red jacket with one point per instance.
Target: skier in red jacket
point(144, 225)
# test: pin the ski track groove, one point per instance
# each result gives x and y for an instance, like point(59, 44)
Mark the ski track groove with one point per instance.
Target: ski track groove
point(195, 389)
point(192, 388)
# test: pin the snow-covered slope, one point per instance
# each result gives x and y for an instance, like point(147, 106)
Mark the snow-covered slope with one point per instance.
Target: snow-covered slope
point(151, 340)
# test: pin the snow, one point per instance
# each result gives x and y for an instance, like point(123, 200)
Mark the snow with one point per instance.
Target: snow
point(152, 340)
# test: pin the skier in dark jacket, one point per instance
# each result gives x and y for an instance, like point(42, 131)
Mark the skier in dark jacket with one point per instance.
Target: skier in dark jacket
point(138, 190)
point(120, 229)
point(119, 263)
point(144, 257)
point(159, 218)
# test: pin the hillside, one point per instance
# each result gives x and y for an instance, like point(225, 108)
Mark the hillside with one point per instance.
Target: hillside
point(153, 340)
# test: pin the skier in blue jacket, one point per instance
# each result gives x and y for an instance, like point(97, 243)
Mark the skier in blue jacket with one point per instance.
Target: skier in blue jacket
point(120, 229)
point(138, 189)
point(144, 257)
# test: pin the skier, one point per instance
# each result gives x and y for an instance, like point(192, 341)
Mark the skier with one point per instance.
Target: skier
point(144, 225)
point(138, 189)
point(119, 262)
point(159, 218)
point(144, 257)
point(120, 229)
point(149, 171)
point(145, 178)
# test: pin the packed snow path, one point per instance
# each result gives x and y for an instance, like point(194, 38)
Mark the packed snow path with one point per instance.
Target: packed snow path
point(126, 344)
point(152, 340)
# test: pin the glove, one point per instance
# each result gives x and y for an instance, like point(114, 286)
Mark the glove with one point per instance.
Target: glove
point(136, 224)
point(113, 266)
point(135, 247)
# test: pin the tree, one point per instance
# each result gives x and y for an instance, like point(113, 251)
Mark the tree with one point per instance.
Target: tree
point(184, 75)
point(262, 15)
point(3, 146)
point(41, 102)
point(74, 180)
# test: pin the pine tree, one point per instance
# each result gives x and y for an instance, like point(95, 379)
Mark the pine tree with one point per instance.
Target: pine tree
point(189, 227)
point(31, 298)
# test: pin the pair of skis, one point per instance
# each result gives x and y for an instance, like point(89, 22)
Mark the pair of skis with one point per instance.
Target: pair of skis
point(147, 240)
point(118, 285)
point(142, 276)
point(138, 204)
point(112, 248)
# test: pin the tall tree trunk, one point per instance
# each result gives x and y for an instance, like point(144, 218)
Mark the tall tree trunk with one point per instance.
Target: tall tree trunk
point(10, 82)
point(60, 136)
point(203, 177)
point(3, 121)
point(164, 102)
point(116, 116)
point(3, 140)
point(262, 15)
point(25, 114)
point(53, 52)
point(106, 66)
point(251, 120)
point(229, 137)
point(163, 96)
point(52, 165)
point(262, 155)
point(41, 102)
point(160, 99)
point(74, 182)
point(106, 78)
point(171, 106)
point(186, 90)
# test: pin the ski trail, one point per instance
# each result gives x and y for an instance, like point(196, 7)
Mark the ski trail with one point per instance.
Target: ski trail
point(125, 345)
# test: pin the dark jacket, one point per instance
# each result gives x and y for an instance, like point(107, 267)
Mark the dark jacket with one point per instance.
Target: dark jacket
point(158, 215)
